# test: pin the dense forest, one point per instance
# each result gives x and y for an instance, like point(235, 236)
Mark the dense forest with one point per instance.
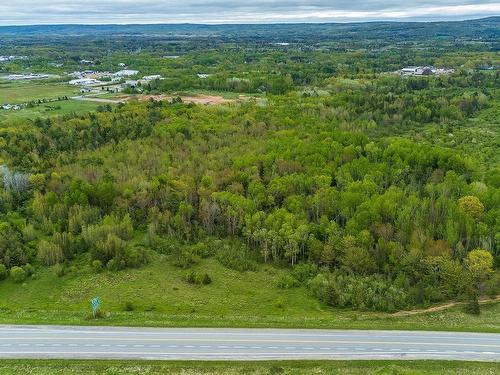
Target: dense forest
point(376, 191)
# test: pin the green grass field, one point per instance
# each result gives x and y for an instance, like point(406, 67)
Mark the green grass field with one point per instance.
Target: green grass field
point(21, 92)
point(50, 367)
point(159, 296)
point(47, 110)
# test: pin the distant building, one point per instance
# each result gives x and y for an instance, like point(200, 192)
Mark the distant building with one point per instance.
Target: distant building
point(9, 107)
point(26, 77)
point(152, 77)
point(424, 71)
point(132, 84)
point(203, 75)
point(126, 73)
point(84, 82)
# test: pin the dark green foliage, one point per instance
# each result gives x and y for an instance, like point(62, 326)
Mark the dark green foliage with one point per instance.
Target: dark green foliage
point(128, 306)
point(3, 272)
point(197, 278)
point(236, 257)
point(471, 305)
point(364, 293)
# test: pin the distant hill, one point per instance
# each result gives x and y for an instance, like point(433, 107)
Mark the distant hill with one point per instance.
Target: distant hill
point(485, 28)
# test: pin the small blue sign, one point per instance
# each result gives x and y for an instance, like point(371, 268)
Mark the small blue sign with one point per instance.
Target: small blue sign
point(95, 303)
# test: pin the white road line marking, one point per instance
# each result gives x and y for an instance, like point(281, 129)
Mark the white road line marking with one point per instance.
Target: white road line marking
point(365, 341)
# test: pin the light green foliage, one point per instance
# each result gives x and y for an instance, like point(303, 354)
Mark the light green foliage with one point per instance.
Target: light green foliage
point(17, 274)
point(49, 253)
point(480, 263)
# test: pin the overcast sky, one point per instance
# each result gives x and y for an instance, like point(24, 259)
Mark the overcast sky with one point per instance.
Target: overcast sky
point(14, 12)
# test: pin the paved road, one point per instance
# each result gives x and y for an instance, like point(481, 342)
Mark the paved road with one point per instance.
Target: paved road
point(241, 344)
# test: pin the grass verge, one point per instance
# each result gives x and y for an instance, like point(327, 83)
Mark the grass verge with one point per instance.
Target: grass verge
point(237, 368)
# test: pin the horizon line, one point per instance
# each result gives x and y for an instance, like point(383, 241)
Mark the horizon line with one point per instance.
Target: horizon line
point(407, 20)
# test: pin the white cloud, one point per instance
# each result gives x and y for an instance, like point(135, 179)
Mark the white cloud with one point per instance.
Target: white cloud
point(221, 11)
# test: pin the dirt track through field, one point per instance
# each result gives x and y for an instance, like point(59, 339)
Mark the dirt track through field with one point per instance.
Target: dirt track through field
point(445, 306)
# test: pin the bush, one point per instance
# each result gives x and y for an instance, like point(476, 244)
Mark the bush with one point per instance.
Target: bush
point(49, 254)
point(304, 272)
point(97, 266)
point(28, 268)
point(59, 270)
point(472, 305)
point(197, 278)
point(287, 281)
point(128, 306)
point(236, 257)
point(366, 293)
point(184, 256)
point(3, 271)
point(17, 274)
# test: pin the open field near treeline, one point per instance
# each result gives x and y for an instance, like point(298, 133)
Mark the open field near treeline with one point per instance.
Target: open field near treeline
point(158, 295)
point(21, 92)
point(52, 367)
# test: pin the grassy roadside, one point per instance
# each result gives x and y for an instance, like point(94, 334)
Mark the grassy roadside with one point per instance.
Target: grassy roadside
point(237, 368)
point(158, 295)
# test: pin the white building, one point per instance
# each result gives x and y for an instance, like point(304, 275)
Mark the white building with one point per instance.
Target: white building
point(84, 82)
point(126, 73)
point(152, 77)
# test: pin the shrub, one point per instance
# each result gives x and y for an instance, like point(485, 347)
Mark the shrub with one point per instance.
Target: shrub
point(59, 270)
point(128, 306)
point(236, 257)
point(287, 281)
point(184, 257)
point(28, 268)
point(97, 265)
point(369, 293)
point(197, 278)
point(304, 271)
point(3, 271)
point(472, 305)
point(17, 274)
point(49, 253)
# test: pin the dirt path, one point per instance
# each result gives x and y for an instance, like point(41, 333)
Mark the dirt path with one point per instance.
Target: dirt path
point(97, 100)
point(482, 301)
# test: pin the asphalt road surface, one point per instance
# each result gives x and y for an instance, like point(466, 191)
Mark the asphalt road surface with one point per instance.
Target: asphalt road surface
point(241, 344)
